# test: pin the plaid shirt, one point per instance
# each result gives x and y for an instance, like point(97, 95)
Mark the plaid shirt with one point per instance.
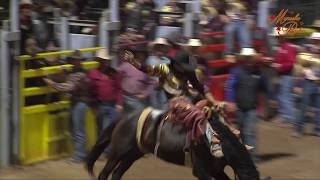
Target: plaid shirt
point(75, 86)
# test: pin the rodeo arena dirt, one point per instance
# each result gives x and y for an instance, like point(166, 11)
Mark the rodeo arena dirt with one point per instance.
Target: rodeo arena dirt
point(160, 89)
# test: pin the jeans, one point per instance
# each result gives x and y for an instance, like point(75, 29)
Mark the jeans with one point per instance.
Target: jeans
point(286, 99)
point(78, 117)
point(247, 123)
point(310, 94)
point(242, 28)
point(159, 100)
point(132, 106)
point(107, 116)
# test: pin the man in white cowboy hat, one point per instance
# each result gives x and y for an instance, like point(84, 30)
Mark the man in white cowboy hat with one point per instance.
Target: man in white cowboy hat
point(76, 85)
point(159, 49)
point(283, 61)
point(106, 88)
point(243, 86)
point(310, 85)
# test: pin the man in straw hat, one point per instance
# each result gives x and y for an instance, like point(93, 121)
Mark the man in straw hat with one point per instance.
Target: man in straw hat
point(310, 85)
point(76, 85)
point(243, 86)
point(283, 61)
point(106, 89)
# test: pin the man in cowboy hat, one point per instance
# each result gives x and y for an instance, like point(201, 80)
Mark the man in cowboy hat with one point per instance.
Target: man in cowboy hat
point(76, 85)
point(105, 83)
point(310, 87)
point(159, 55)
point(283, 61)
point(243, 87)
point(158, 49)
point(137, 86)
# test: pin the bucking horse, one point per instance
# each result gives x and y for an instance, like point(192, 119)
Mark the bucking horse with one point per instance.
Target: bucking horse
point(160, 133)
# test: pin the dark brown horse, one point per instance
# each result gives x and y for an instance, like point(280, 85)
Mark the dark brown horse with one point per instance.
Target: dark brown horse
point(124, 150)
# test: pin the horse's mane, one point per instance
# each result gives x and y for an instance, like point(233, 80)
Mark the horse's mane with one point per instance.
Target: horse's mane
point(234, 152)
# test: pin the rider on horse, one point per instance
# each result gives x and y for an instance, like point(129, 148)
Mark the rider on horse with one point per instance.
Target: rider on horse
point(176, 79)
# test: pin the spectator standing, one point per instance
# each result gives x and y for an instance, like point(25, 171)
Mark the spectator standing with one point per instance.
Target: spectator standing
point(243, 87)
point(284, 60)
point(105, 84)
point(310, 86)
point(159, 49)
point(137, 86)
point(31, 26)
point(237, 21)
point(76, 85)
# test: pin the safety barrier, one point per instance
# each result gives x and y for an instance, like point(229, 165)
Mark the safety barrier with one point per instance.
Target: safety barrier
point(44, 128)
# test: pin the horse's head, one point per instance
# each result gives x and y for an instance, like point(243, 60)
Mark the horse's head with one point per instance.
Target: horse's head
point(234, 152)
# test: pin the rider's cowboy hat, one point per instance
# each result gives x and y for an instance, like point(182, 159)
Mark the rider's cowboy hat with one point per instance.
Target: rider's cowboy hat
point(103, 54)
point(193, 43)
point(247, 52)
point(315, 36)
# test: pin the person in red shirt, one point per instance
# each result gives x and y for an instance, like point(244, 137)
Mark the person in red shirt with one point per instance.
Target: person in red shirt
point(105, 85)
point(284, 60)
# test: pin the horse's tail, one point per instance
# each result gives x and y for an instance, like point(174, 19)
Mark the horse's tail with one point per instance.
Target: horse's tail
point(101, 144)
point(234, 152)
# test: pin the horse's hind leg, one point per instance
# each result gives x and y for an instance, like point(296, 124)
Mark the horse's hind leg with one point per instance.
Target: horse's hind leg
point(111, 164)
point(125, 164)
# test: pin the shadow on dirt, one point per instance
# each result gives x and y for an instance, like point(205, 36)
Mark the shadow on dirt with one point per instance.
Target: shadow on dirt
point(269, 157)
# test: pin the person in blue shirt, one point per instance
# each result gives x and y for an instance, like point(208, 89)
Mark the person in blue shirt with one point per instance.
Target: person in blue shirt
point(243, 87)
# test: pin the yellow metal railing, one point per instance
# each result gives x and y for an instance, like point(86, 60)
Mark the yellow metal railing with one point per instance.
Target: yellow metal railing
point(44, 130)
